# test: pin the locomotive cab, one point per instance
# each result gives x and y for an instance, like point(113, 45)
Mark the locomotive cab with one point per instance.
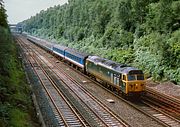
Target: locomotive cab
point(133, 82)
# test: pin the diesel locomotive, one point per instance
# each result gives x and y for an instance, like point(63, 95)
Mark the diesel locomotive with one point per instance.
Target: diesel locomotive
point(125, 79)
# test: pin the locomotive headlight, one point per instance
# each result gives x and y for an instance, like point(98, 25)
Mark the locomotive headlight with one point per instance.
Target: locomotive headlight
point(131, 85)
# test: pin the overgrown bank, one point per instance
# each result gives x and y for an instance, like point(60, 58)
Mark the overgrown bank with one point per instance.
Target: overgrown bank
point(16, 108)
point(143, 33)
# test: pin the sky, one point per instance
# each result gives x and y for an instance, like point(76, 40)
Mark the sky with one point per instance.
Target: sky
point(20, 10)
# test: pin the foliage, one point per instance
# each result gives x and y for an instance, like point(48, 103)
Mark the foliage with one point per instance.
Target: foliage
point(149, 54)
point(159, 55)
point(144, 33)
point(14, 92)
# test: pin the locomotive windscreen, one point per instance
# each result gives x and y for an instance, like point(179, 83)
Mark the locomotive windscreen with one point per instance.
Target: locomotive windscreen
point(135, 72)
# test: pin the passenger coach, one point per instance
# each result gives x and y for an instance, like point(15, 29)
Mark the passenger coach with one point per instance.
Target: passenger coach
point(75, 57)
point(59, 50)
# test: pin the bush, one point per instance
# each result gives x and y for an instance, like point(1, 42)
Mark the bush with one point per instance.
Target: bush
point(149, 51)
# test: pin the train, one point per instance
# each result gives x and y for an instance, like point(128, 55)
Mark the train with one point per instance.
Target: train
point(127, 80)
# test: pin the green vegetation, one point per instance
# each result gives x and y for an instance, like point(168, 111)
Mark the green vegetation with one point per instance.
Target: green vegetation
point(142, 33)
point(15, 100)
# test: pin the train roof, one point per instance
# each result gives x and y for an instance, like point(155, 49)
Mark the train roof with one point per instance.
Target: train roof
point(47, 42)
point(33, 37)
point(39, 40)
point(76, 53)
point(122, 68)
point(60, 47)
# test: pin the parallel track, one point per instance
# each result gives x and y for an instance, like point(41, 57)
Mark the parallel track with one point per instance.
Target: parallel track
point(62, 109)
point(158, 114)
point(168, 103)
point(165, 108)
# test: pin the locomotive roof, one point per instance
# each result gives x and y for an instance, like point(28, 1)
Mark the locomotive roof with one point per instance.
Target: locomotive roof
point(122, 68)
point(76, 53)
point(131, 70)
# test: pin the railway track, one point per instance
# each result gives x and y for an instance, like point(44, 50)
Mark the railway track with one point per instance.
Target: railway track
point(99, 112)
point(157, 114)
point(145, 107)
point(64, 112)
point(168, 104)
point(162, 106)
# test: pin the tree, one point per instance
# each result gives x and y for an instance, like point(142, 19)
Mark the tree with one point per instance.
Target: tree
point(3, 16)
point(124, 15)
point(1, 2)
point(164, 18)
point(139, 10)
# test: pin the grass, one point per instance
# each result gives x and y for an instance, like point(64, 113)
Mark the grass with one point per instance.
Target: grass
point(18, 118)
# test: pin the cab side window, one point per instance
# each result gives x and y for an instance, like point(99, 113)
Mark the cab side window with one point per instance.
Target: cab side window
point(124, 77)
